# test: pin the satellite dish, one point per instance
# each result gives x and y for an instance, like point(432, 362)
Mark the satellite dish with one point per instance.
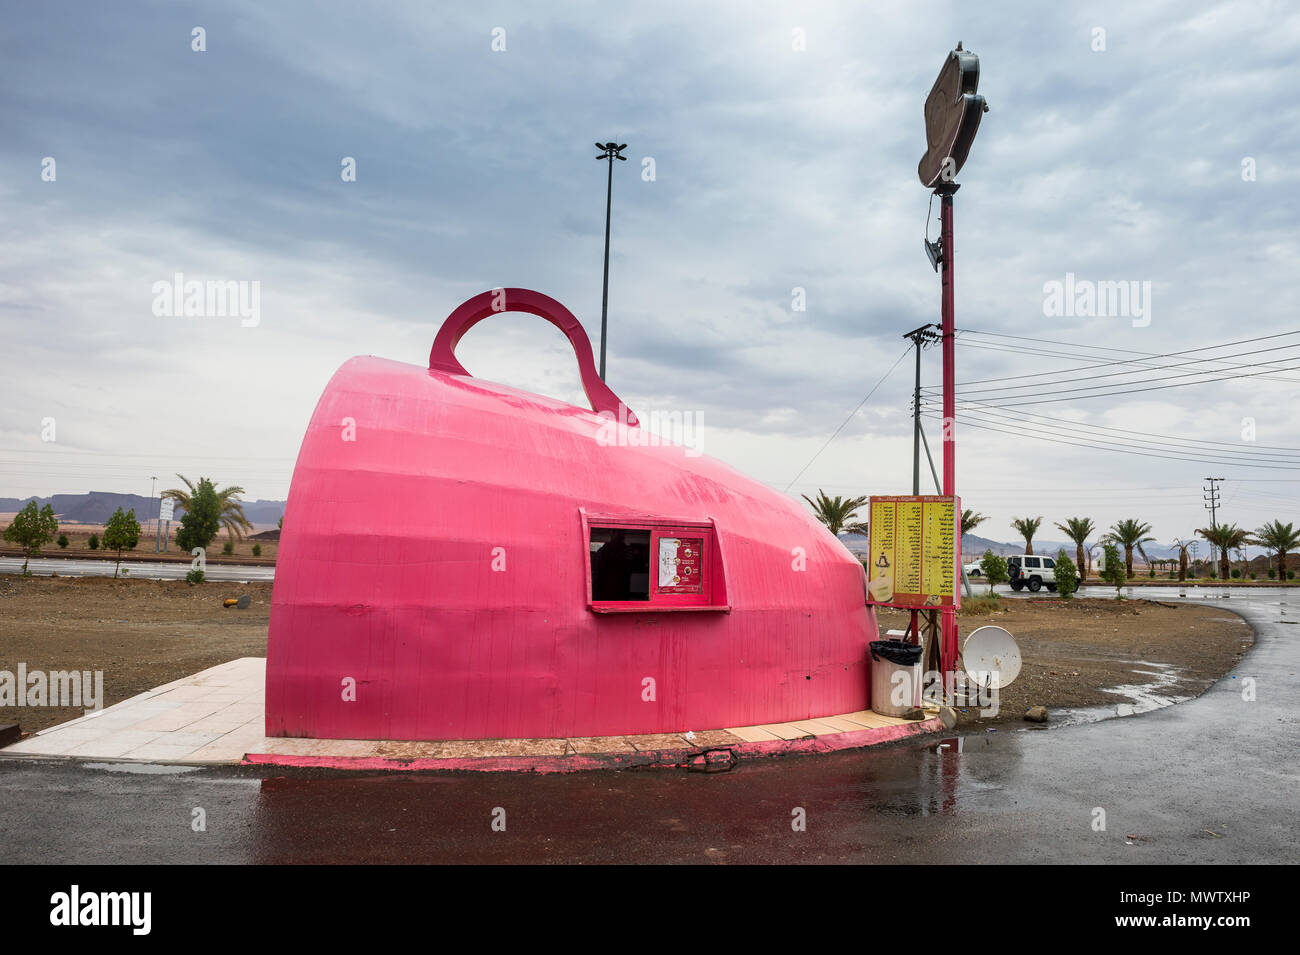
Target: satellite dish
point(991, 658)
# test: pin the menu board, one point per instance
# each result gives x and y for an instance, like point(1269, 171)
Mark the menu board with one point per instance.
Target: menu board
point(680, 565)
point(915, 546)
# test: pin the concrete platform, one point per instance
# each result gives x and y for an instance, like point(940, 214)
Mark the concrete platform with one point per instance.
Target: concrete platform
point(216, 717)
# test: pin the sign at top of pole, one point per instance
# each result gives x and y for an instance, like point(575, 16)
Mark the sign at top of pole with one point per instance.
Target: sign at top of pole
point(952, 117)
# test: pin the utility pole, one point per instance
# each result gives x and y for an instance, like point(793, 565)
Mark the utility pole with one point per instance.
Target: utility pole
point(920, 338)
point(610, 151)
point(1212, 498)
point(1212, 504)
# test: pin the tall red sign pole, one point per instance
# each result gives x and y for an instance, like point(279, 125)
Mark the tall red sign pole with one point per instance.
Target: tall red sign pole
point(952, 116)
point(948, 644)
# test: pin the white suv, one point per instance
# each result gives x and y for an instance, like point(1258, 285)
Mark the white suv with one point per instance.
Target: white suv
point(1028, 570)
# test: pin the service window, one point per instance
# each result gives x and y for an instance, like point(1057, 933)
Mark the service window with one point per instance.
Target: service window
point(1031, 563)
point(652, 565)
point(620, 564)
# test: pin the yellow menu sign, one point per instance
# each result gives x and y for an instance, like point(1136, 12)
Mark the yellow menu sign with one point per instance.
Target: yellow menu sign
point(915, 547)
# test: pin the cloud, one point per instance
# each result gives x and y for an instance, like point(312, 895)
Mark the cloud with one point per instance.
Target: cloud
point(775, 170)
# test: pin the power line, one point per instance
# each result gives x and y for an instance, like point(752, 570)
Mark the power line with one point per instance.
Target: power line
point(1142, 441)
point(848, 419)
point(1093, 447)
point(1032, 347)
point(1120, 444)
point(1138, 371)
point(1132, 391)
point(973, 404)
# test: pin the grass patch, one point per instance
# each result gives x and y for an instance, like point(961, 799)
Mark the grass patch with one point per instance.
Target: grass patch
point(980, 606)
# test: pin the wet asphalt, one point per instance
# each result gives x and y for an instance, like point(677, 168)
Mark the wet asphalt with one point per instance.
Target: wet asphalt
point(1213, 780)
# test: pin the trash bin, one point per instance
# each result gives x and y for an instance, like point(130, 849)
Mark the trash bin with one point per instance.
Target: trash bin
point(887, 658)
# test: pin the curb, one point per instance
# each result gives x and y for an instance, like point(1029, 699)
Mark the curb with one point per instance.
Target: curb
point(697, 759)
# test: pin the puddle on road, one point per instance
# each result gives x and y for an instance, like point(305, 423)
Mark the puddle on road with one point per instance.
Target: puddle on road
point(1138, 697)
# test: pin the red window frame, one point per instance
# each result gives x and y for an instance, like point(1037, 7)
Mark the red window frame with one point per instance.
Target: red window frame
point(713, 595)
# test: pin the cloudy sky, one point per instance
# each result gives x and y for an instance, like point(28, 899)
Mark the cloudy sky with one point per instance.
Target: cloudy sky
point(1151, 143)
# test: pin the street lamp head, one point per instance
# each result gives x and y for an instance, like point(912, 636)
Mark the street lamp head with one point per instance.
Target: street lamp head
point(611, 150)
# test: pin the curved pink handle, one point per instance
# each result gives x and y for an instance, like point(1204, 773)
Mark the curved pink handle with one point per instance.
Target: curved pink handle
point(442, 356)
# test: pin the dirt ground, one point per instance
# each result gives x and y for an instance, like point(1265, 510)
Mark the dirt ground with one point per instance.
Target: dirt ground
point(144, 633)
point(141, 633)
point(1072, 650)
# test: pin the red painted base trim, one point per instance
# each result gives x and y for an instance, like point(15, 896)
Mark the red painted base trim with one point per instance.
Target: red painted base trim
point(701, 758)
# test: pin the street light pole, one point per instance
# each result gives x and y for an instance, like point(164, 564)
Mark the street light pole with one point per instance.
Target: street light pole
point(609, 151)
point(152, 483)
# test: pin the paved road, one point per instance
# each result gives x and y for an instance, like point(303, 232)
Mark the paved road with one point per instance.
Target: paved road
point(979, 589)
point(150, 570)
point(1209, 781)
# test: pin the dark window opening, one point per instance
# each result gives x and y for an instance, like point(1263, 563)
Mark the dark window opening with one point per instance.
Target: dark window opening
point(620, 564)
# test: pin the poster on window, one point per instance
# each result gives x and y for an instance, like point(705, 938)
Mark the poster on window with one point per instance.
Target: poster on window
point(680, 564)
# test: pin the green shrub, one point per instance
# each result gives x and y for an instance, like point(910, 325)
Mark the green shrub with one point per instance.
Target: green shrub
point(1067, 575)
point(1271, 573)
point(228, 548)
point(63, 540)
point(1252, 576)
point(257, 550)
point(1236, 572)
point(31, 529)
point(994, 569)
point(1113, 572)
point(194, 577)
point(1151, 572)
point(122, 532)
point(202, 518)
point(1290, 575)
point(94, 542)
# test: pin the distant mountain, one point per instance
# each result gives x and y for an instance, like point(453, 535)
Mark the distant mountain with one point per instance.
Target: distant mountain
point(973, 547)
point(98, 506)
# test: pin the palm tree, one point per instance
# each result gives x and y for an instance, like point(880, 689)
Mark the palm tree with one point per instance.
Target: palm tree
point(838, 514)
point(1225, 537)
point(1130, 534)
point(1182, 547)
point(232, 509)
point(1279, 538)
point(970, 520)
point(1078, 529)
point(1027, 527)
